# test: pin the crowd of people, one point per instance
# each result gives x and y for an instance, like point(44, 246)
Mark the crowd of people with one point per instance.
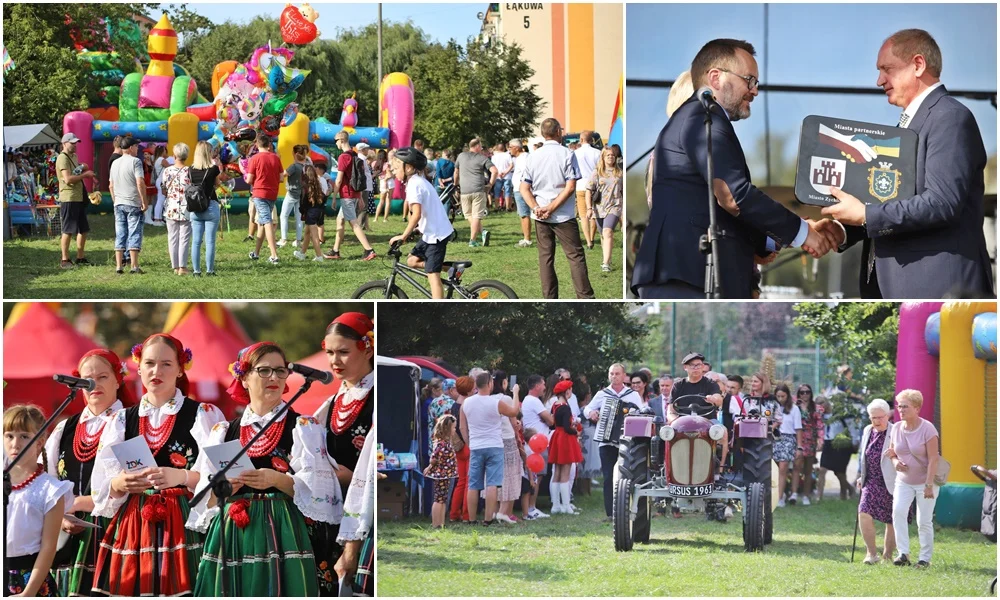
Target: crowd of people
point(297, 523)
point(181, 192)
point(478, 430)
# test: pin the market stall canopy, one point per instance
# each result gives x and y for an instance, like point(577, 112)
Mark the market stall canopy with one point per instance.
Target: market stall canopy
point(28, 136)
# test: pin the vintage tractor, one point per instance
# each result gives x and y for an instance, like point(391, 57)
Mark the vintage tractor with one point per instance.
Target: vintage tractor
point(678, 462)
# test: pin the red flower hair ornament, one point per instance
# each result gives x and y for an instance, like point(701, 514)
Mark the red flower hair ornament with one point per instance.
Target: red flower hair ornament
point(239, 369)
point(125, 393)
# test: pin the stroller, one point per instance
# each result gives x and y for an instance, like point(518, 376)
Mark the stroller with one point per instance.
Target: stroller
point(449, 197)
point(989, 521)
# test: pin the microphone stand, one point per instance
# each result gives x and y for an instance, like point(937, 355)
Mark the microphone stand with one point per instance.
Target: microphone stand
point(708, 244)
point(8, 487)
point(222, 489)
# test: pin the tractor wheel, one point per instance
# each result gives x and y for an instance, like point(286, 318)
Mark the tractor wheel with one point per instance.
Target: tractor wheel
point(632, 469)
point(753, 518)
point(757, 468)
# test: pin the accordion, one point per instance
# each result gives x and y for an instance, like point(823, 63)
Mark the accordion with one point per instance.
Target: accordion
point(611, 419)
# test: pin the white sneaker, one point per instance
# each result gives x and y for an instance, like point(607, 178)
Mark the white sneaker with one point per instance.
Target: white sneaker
point(557, 509)
point(505, 519)
point(781, 503)
point(299, 255)
point(805, 501)
point(281, 243)
point(793, 499)
point(523, 243)
point(319, 259)
point(539, 514)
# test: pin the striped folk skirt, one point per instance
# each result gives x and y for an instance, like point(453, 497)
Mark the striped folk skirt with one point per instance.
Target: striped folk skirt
point(143, 556)
point(73, 566)
point(271, 555)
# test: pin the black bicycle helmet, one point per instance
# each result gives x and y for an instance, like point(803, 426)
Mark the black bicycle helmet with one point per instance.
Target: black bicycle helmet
point(412, 156)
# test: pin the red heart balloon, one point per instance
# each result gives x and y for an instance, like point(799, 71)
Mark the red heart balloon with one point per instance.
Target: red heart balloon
point(295, 29)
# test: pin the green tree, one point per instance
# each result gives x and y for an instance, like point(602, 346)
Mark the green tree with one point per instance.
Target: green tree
point(191, 28)
point(49, 81)
point(229, 41)
point(505, 105)
point(521, 338)
point(862, 335)
point(444, 106)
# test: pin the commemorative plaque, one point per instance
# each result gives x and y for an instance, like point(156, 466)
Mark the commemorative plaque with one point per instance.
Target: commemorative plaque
point(872, 162)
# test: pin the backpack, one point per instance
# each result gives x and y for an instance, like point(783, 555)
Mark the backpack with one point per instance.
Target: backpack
point(195, 196)
point(358, 182)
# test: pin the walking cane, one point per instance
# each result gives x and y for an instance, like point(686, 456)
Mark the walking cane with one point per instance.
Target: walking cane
point(855, 544)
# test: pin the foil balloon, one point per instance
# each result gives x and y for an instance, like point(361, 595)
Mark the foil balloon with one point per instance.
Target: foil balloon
point(277, 105)
point(291, 112)
point(264, 58)
point(283, 80)
point(270, 125)
point(298, 25)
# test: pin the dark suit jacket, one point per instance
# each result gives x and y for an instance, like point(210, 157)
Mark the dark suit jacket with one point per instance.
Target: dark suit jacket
point(931, 246)
point(679, 215)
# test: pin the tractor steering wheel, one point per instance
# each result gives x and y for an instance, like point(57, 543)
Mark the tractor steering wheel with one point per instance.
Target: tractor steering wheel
point(694, 404)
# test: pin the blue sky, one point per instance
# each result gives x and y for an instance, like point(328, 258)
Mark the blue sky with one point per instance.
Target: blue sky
point(440, 21)
point(810, 44)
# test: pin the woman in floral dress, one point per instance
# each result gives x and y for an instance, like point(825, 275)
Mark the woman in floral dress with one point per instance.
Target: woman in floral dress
point(812, 437)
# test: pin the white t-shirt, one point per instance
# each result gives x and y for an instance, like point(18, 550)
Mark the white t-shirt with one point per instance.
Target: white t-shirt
point(368, 177)
point(483, 417)
point(520, 163)
point(587, 157)
point(27, 509)
point(434, 224)
point(531, 408)
point(502, 161)
point(792, 422)
point(506, 429)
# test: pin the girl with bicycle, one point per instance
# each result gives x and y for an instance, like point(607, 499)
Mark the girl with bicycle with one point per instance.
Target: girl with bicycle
point(426, 213)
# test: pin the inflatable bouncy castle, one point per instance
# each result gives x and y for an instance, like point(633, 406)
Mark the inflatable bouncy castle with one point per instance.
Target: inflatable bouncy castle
point(948, 351)
point(162, 105)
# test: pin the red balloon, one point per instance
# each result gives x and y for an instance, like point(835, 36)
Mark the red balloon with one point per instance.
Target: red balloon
point(539, 442)
point(535, 462)
point(296, 29)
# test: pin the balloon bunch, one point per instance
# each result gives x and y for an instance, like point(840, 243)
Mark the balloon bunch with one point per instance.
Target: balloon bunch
point(258, 95)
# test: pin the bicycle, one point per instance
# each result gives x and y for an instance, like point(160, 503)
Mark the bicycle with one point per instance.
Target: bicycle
point(387, 288)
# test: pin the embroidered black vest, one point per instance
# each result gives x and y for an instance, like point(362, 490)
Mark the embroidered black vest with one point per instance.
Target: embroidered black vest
point(346, 447)
point(180, 450)
point(69, 468)
point(279, 459)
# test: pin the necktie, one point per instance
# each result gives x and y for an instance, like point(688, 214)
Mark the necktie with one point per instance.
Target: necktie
point(903, 120)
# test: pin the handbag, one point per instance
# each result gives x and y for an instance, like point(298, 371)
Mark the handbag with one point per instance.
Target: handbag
point(943, 467)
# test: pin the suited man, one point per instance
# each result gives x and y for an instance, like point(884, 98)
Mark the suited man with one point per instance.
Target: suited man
point(660, 403)
point(669, 263)
point(931, 245)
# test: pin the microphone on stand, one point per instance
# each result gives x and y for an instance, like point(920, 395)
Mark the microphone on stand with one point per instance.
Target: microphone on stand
point(706, 96)
point(77, 383)
point(324, 377)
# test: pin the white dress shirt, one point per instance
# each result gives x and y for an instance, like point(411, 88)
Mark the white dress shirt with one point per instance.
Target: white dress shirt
point(914, 105)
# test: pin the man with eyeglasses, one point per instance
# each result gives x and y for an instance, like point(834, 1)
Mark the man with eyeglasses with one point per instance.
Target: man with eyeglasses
point(753, 226)
point(931, 245)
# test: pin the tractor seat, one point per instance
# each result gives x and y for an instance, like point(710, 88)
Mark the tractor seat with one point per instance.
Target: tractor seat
point(459, 264)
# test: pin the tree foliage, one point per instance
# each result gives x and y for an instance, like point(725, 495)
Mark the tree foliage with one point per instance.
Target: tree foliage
point(862, 335)
point(521, 338)
point(48, 80)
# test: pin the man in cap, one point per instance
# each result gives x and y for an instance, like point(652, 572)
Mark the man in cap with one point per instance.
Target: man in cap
point(72, 200)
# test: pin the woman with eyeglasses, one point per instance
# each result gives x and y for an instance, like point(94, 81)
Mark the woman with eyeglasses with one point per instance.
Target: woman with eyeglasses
point(268, 551)
point(812, 437)
point(639, 382)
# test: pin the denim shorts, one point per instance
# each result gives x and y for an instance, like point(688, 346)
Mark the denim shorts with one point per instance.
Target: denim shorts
point(348, 209)
point(128, 227)
point(522, 206)
point(263, 211)
point(488, 463)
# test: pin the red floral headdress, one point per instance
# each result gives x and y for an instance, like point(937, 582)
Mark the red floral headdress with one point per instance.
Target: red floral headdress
point(120, 370)
point(239, 369)
point(361, 324)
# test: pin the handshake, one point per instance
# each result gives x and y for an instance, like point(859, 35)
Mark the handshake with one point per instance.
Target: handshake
point(824, 235)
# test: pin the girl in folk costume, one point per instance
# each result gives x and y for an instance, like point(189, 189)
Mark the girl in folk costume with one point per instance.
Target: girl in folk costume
point(268, 551)
point(358, 559)
point(347, 419)
point(73, 448)
point(35, 508)
point(146, 549)
point(564, 448)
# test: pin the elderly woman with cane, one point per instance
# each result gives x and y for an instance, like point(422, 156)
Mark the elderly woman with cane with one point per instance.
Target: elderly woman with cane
point(876, 480)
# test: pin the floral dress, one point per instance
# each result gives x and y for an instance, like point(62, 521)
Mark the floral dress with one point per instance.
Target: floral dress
point(442, 468)
point(875, 498)
point(812, 431)
point(607, 194)
point(176, 178)
point(437, 408)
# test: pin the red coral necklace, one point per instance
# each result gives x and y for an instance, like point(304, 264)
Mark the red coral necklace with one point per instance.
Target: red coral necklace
point(85, 444)
point(266, 443)
point(27, 482)
point(156, 436)
point(343, 415)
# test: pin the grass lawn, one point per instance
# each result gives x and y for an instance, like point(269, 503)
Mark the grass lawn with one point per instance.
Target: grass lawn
point(574, 556)
point(31, 266)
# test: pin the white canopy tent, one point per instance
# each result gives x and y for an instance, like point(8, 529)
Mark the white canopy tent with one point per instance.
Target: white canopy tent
point(16, 137)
